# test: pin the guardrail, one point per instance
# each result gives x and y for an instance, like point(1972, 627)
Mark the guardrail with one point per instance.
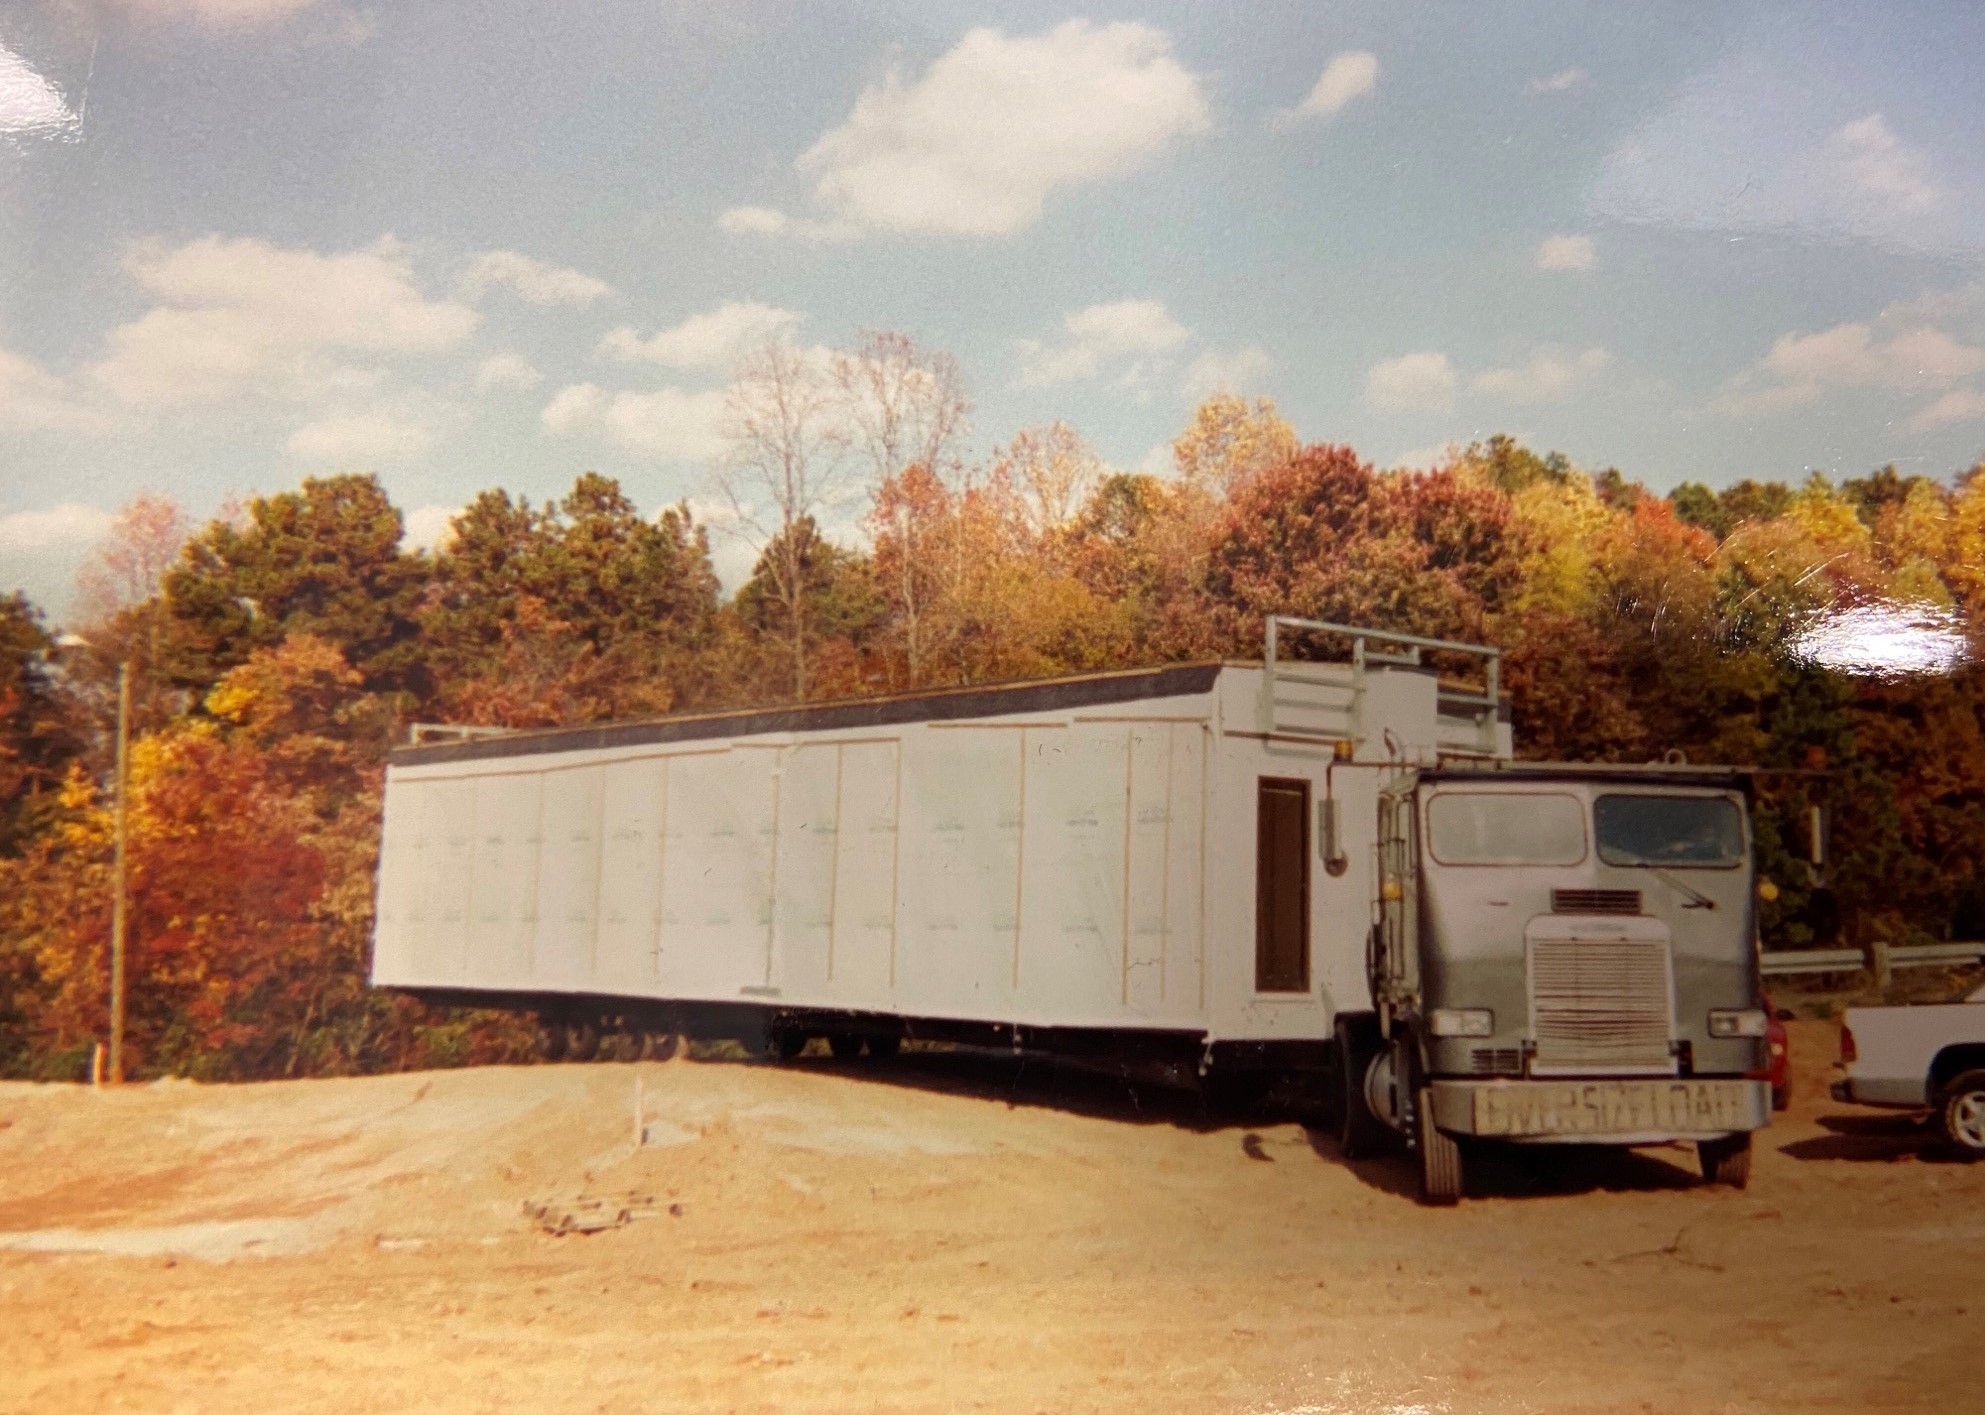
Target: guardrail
point(1878, 959)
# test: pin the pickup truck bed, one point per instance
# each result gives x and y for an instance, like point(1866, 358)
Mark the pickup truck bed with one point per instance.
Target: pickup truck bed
point(1921, 1058)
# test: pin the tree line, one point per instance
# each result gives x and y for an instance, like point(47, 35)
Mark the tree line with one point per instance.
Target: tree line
point(280, 650)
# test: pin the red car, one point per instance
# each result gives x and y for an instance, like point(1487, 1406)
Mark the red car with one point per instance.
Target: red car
point(1780, 1049)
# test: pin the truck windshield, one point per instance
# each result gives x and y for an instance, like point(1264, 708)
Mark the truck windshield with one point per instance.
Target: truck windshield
point(1506, 828)
point(1697, 831)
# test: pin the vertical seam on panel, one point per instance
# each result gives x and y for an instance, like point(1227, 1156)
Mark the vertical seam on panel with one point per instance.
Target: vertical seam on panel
point(599, 879)
point(1165, 869)
point(1129, 769)
point(537, 886)
point(469, 905)
point(1020, 862)
point(1206, 741)
point(661, 872)
point(896, 869)
point(834, 862)
point(772, 905)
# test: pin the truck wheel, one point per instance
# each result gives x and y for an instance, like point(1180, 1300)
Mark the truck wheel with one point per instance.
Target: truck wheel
point(551, 1041)
point(1726, 1161)
point(1360, 1134)
point(582, 1041)
point(1961, 1114)
point(882, 1048)
point(1440, 1155)
point(845, 1046)
point(784, 1044)
point(659, 1046)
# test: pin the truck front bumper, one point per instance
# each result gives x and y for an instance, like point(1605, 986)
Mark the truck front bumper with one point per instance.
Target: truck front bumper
point(1602, 1112)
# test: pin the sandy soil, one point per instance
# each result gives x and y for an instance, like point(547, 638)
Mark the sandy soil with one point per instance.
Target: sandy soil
point(943, 1232)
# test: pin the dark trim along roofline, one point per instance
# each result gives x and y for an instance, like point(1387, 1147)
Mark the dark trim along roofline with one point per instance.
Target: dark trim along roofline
point(948, 705)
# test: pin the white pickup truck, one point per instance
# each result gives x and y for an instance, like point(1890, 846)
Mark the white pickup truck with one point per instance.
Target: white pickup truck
point(1921, 1058)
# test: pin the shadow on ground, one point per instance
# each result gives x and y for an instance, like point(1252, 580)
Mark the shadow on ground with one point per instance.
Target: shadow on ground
point(1156, 1098)
point(1877, 1139)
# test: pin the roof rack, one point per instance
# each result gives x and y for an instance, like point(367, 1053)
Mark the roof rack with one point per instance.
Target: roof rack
point(1403, 650)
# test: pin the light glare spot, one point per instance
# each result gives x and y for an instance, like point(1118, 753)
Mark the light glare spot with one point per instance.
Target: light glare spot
point(1886, 640)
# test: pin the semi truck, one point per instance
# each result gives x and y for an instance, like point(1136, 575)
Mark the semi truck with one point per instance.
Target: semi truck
point(1325, 869)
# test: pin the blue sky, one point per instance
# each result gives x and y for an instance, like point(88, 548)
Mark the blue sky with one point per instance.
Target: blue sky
point(498, 243)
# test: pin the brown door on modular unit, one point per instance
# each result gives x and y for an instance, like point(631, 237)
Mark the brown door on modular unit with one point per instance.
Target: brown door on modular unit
point(1282, 886)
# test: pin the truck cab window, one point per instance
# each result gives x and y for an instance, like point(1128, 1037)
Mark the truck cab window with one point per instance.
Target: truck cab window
point(1506, 828)
point(1700, 831)
point(1282, 886)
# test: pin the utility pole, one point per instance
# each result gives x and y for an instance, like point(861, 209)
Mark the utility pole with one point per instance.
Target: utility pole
point(118, 921)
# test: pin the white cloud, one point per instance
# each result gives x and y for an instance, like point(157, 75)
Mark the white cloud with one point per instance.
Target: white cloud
point(975, 145)
point(1347, 76)
point(31, 106)
point(1549, 376)
point(713, 340)
point(1564, 81)
point(243, 316)
point(1099, 335)
point(669, 424)
point(35, 400)
point(535, 282)
point(1801, 367)
point(572, 407)
point(1425, 459)
point(1880, 165)
point(429, 527)
point(1960, 405)
point(1566, 253)
point(220, 14)
point(506, 371)
point(68, 525)
point(359, 438)
point(1219, 371)
point(1411, 383)
point(768, 221)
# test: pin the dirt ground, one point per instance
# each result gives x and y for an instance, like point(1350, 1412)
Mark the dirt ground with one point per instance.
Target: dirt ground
point(943, 1232)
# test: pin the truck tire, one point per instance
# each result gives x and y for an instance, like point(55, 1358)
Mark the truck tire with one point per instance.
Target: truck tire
point(1961, 1114)
point(1360, 1134)
point(882, 1048)
point(1440, 1155)
point(1726, 1161)
point(659, 1046)
point(845, 1046)
point(582, 1041)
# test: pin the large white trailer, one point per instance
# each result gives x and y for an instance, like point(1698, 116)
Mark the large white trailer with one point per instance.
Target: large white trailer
point(1176, 862)
point(1242, 868)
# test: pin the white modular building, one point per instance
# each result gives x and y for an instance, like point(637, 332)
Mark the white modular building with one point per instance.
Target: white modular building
point(1181, 855)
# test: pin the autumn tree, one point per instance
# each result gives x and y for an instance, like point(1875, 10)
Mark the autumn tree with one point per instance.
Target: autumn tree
point(324, 560)
point(907, 411)
point(39, 732)
point(785, 463)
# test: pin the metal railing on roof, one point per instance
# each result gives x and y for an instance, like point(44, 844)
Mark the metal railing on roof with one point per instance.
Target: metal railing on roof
point(1410, 648)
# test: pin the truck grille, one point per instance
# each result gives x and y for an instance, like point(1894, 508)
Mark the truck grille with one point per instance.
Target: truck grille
point(1601, 1005)
point(1595, 901)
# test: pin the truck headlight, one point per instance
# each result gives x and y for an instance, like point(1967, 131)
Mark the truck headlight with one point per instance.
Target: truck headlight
point(1462, 1022)
point(1736, 1022)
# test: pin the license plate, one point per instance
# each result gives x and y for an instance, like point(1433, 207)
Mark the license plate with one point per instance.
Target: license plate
point(1611, 1107)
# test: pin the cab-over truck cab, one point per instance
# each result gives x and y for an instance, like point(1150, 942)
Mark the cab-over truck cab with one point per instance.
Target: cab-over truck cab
point(1564, 955)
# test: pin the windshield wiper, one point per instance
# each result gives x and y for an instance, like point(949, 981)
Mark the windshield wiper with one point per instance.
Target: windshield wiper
point(1696, 899)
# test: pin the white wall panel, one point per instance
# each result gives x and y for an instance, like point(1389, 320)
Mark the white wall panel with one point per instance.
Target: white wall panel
point(503, 884)
point(865, 877)
point(1148, 844)
point(960, 872)
point(402, 861)
point(440, 944)
point(569, 879)
point(1073, 937)
point(630, 877)
point(809, 783)
point(717, 874)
